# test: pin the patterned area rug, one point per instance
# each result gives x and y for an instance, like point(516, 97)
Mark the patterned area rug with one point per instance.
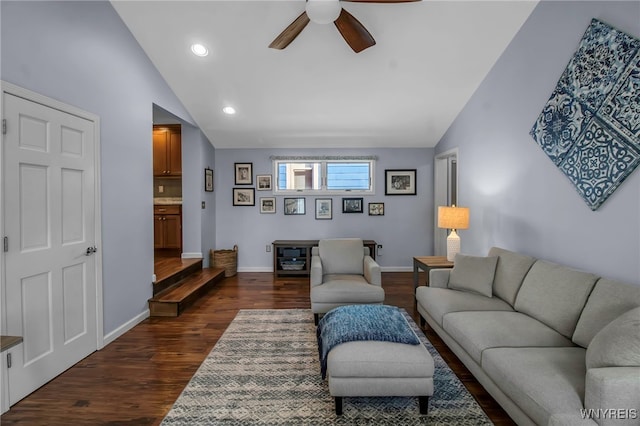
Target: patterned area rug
point(264, 370)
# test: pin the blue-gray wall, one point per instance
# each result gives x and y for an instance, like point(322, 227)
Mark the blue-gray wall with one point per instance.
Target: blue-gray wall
point(198, 225)
point(518, 198)
point(81, 53)
point(405, 230)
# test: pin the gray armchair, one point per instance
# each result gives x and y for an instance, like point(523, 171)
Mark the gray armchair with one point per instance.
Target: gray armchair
point(343, 273)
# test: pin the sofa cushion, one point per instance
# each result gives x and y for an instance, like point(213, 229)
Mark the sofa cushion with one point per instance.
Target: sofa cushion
point(617, 344)
point(541, 381)
point(510, 272)
point(347, 291)
point(342, 256)
point(440, 301)
point(477, 331)
point(608, 300)
point(555, 295)
point(473, 273)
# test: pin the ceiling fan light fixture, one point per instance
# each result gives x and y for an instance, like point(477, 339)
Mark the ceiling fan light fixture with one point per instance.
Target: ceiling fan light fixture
point(323, 11)
point(199, 49)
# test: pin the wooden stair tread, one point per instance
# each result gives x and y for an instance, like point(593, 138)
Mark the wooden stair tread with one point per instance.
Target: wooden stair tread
point(167, 267)
point(170, 271)
point(183, 289)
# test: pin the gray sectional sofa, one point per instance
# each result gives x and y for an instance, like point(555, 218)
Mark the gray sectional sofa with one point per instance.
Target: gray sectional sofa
point(552, 345)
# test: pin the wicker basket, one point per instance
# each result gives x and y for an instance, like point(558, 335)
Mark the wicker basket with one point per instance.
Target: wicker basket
point(227, 259)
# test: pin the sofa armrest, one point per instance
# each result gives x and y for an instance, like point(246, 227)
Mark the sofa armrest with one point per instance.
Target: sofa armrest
point(316, 271)
point(439, 278)
point(612, 395)
point(372, 271)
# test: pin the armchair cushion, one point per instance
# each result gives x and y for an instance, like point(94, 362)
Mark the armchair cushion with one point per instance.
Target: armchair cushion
point(342, 256)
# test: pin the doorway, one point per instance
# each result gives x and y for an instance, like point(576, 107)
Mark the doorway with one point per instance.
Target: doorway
point(167, 190)
point(445, 194)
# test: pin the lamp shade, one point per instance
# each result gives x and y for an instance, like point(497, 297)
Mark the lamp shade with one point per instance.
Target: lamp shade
point(453, 217)
point(323, 11)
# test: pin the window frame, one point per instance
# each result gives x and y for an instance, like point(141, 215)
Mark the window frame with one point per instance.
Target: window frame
point(323, 161)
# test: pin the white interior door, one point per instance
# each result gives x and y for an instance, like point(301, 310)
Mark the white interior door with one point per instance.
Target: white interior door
point(50, 221)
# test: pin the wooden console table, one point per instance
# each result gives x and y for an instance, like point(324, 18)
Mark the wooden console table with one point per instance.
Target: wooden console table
point(427, 263)
point(297, 256)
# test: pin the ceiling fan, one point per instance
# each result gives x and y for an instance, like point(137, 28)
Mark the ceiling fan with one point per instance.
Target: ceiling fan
point(325, 12)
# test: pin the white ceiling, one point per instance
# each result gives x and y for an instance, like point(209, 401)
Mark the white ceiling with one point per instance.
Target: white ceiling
point(405, 91)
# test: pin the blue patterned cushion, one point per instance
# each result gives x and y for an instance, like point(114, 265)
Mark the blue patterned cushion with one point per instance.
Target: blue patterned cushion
point(590, 127)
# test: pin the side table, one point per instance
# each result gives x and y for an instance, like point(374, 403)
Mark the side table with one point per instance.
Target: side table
point(427, 263)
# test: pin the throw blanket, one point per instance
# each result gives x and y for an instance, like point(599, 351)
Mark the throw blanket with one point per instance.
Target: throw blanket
point(361, 322)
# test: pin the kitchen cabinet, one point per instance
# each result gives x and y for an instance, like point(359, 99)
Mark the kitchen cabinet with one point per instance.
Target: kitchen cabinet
point(167, 150)
point(167, 227)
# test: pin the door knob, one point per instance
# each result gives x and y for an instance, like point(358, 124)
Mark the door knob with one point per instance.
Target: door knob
point(90, 251)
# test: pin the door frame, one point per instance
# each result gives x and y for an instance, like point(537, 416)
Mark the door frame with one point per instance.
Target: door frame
point(442, 193)
point(29, 95)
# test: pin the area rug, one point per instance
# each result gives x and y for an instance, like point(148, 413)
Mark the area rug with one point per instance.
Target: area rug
point(264, 370)
point(590, 127)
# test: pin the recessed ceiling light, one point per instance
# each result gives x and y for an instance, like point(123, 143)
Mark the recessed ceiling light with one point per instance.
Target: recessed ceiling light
point(199, 50)
point(229, 110)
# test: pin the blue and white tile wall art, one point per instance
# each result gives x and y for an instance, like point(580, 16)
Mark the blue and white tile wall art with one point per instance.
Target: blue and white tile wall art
point(590, 126)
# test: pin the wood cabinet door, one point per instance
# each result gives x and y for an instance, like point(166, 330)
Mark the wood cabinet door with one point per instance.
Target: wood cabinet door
point(158, 231)
point(160, 142)
point(174, 152)
point(172, 232)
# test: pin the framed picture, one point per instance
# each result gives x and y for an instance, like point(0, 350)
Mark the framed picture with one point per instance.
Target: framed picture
point(208, 180)
point(263, 182)
point(268, 205)
point(294, 206)
point(244, 173)
point(400, 182)
point(244, 197)
point(324, 208)
point(352, 205)
point(376, 209)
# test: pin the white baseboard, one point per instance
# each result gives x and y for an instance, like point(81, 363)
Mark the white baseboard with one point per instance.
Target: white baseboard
point(256, 269)
point(192, 255)
point(270, 269)
point(125, 327)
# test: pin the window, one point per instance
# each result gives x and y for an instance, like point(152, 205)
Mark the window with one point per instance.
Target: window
point(324, 175)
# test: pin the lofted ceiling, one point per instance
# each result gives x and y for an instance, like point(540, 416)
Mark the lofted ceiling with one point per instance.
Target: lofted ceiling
point(405, 91)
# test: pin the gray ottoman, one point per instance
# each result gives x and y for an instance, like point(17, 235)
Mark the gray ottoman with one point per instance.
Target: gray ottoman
point(374, 368)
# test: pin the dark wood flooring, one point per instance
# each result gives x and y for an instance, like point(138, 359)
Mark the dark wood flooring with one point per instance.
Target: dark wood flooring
point(136, 379)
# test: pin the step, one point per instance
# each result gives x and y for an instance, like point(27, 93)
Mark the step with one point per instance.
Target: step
point(174, 300)
point(171, 270)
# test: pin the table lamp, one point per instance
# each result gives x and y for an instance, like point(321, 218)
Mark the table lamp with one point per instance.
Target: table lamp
point(453, 218)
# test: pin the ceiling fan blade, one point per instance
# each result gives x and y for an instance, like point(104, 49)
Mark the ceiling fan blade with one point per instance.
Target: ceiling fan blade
point(291, 32)
point(353, 32)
